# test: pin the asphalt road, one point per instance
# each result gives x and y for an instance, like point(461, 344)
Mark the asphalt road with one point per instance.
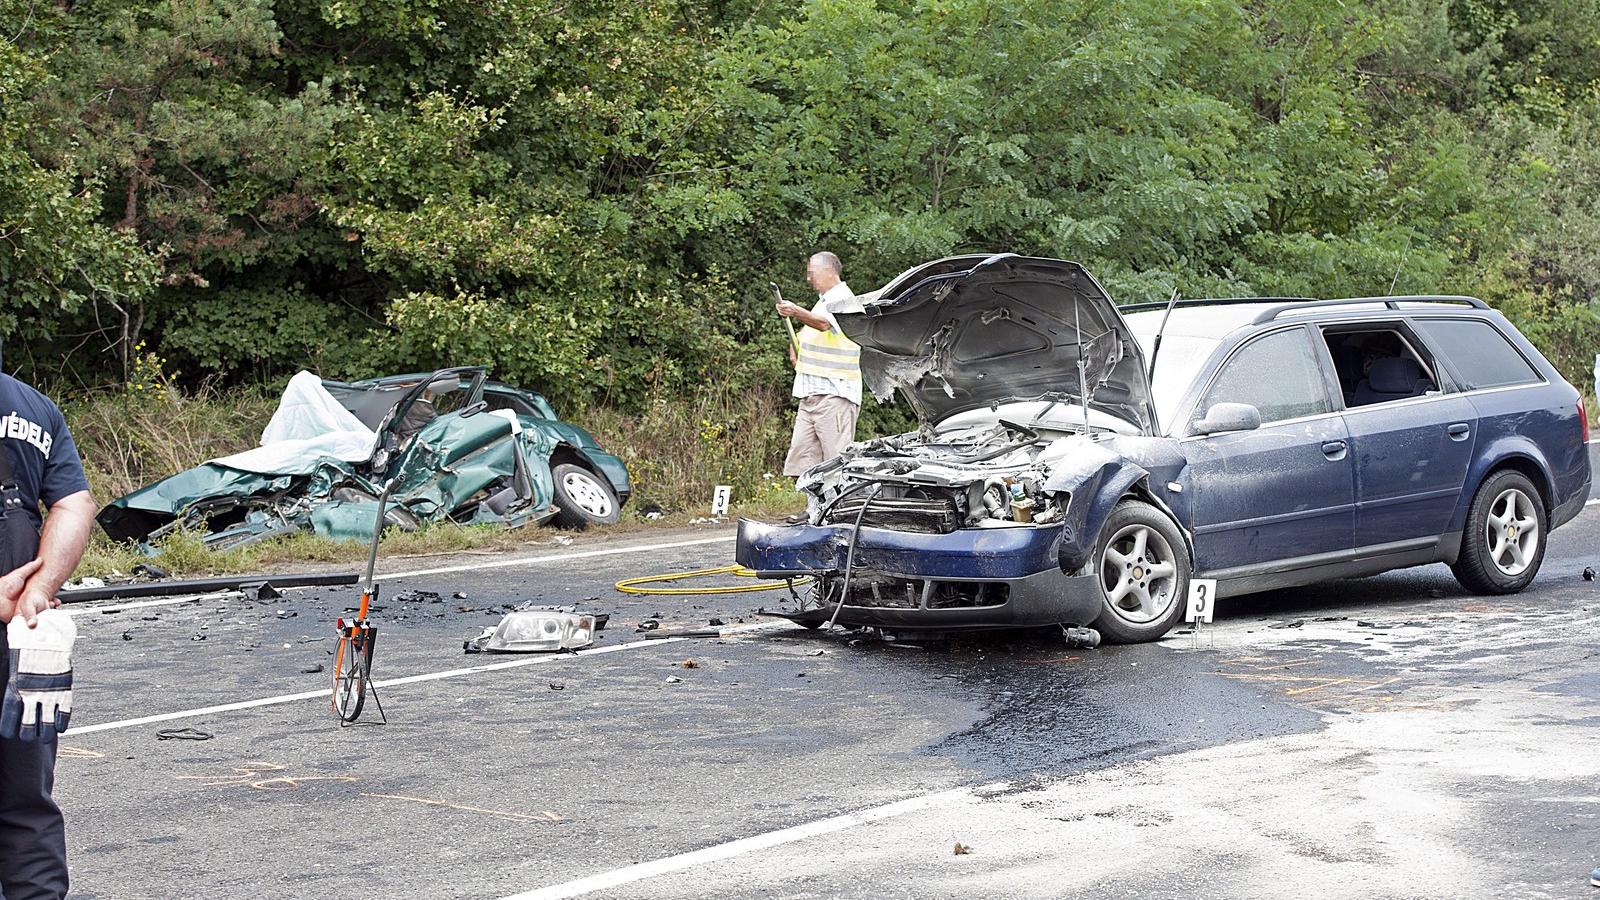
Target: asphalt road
point(1387, 737)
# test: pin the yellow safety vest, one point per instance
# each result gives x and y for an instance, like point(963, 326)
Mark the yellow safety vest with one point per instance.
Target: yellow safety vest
point(827, 354)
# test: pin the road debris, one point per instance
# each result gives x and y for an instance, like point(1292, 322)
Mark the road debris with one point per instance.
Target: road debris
point(183, 734)
point(688, 664)
point(1081, 638)
point(536, 630)
point(312, 669)
point(176, 587)
point(1588, 573)
point(962, 849)
point(691, 633)
point(673, 679)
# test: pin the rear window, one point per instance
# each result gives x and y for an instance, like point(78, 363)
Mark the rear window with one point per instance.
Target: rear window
point(1480, 354)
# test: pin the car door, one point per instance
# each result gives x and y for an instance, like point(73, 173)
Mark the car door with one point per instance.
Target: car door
point(1284, 491)
point(1411, 455)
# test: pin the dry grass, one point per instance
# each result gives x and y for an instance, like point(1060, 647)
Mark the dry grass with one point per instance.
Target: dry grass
point(132, 437)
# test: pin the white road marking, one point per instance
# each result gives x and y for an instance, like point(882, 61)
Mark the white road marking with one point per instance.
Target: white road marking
point(408, 679)
point(1592, 502)
point(557, 557)
point(722, 852)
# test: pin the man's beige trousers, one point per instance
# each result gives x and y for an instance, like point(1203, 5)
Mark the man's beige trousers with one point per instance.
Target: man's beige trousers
point(822, 428)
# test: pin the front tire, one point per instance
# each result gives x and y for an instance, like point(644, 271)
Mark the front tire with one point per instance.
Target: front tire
point(1143, 568)
point(583, 498)
point(1504, 542)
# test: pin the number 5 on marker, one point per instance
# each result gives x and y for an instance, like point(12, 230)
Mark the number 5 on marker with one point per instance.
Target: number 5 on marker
point(1202, 599)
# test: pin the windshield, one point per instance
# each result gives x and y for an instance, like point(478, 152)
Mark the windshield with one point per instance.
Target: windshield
point(1177, 366)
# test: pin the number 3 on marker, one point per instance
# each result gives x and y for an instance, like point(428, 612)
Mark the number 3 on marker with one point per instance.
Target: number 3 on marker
point(1202, 596)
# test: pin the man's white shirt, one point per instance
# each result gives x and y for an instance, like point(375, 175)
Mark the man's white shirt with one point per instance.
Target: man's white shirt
point(836, 299)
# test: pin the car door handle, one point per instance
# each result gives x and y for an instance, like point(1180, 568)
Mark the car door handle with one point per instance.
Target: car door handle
point(1334, 450)
point(1459, 431)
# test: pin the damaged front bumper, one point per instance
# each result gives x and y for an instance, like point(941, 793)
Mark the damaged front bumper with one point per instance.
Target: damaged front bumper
point(974, 578)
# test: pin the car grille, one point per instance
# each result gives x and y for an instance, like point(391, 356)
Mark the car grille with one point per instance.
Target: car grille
point(890, 592)
point(935, 516)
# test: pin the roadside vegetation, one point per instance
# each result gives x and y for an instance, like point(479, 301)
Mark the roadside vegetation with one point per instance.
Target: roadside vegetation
point(199, 199)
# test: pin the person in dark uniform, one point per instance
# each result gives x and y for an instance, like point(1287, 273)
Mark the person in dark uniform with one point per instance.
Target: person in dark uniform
point(39, 464)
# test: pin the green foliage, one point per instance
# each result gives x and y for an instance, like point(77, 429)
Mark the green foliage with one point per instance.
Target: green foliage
point(591, 198)
point(56, 257)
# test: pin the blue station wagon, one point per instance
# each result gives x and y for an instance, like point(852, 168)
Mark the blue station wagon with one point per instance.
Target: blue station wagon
point(1078, 464)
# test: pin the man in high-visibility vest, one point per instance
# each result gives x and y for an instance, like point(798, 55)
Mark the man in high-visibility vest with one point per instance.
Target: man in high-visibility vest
point(827, 369)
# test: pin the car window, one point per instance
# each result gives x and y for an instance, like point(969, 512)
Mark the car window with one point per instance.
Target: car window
point(1479, 353)
point(503, 400)
point(1277, 374)
point(1378, 364)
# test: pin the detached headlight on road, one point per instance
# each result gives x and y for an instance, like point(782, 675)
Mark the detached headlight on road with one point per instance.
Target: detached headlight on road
point(536, 631)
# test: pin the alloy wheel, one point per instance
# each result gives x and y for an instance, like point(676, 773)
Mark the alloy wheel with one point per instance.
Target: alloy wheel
point(1511, 532)
point(1138, 574)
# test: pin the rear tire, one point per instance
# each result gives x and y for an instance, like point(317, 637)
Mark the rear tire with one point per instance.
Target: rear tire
point(1143, 566)
point(583, 498)
point(1503, 545)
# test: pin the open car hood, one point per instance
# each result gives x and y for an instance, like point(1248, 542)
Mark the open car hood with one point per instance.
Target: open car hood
point(971, 331)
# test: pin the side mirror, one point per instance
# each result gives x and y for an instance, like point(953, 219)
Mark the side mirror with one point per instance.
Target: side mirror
point(1226, 417)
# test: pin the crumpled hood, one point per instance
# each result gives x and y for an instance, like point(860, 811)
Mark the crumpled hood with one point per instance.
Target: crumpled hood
point(970, 331)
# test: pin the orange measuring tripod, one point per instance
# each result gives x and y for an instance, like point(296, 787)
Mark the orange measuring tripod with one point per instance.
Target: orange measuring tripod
point(352, 663)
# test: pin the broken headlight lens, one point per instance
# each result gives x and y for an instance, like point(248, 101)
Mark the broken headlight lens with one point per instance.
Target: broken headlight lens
point(535, 631)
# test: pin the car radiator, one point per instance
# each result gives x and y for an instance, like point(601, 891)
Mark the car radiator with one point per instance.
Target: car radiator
point(928, 516)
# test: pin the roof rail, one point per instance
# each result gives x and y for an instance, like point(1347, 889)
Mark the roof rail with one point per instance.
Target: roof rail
point(1291, 304)
point(1389, 302)
point(1211, 301)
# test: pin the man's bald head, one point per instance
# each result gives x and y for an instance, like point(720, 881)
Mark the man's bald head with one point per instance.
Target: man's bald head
point(824, 271)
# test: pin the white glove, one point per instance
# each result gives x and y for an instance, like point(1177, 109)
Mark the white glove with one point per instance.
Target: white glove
point(38, 695)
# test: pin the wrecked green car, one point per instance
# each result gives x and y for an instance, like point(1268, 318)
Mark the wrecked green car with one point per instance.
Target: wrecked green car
point(453, 446)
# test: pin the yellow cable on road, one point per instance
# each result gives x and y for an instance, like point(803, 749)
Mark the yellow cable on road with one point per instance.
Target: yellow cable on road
point(632, 585)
